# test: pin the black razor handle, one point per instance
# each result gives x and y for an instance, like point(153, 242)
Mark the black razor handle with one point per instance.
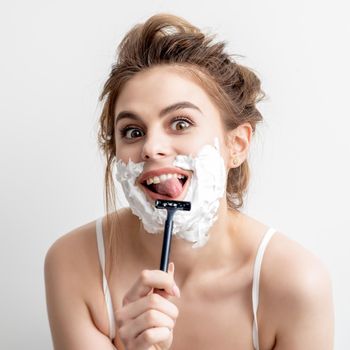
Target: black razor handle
point(168, 230)
point(171, 207)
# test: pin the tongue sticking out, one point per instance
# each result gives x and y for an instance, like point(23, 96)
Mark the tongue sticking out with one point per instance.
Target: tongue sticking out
point(171, 188)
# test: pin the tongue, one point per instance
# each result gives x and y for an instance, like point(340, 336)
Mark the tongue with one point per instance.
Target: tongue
point(171, 188)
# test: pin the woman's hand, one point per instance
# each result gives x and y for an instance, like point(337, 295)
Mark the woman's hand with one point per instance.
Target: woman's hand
point(147, 317)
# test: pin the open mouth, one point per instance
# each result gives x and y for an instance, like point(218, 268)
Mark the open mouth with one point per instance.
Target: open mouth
point(168, 185)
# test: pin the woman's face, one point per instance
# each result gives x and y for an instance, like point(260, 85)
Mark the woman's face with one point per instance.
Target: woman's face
point(159, 115)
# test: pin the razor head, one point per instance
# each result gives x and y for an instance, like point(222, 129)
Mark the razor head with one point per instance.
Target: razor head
point(176, 205)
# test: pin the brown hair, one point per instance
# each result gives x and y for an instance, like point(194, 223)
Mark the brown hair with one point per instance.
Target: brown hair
point(168, 39)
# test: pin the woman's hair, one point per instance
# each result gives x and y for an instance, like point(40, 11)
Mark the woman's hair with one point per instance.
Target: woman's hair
point(166, 39)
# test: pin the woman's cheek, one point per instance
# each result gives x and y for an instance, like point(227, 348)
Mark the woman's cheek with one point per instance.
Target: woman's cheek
point(126, 152)
point(193, 144)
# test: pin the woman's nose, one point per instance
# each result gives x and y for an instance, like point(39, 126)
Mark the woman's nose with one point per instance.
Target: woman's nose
point(155, 146)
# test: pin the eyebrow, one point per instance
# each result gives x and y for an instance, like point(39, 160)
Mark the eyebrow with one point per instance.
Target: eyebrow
point(174, 107)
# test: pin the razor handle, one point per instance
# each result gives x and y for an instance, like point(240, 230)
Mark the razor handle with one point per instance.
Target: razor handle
point(168, 230)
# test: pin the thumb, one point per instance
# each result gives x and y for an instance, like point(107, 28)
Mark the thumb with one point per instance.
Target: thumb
point(162, 292)
point(171, 271)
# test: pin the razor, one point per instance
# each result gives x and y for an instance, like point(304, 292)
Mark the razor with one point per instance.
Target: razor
point(171, 208)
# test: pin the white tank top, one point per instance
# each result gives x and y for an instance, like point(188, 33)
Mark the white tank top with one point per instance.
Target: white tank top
point(255, 287)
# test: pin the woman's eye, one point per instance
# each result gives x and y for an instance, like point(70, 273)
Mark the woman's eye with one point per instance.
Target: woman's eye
point(132, 133)
point(180, 124)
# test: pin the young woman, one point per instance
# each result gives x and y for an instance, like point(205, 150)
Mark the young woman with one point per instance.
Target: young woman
point(178, 118)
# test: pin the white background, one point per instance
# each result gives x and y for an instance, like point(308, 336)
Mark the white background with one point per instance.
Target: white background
point(55, 57)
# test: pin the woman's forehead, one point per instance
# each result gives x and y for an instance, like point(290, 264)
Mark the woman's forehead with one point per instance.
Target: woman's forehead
point(162, 86)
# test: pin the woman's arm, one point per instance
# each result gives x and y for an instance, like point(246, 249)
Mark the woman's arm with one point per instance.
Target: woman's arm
point(70, 321)
point(308, 321)
point(303, 296)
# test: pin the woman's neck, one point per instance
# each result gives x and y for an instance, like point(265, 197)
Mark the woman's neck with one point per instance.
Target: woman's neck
point(188, 261)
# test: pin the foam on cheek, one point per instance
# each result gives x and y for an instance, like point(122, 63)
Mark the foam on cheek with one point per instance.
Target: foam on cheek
point(207, 186)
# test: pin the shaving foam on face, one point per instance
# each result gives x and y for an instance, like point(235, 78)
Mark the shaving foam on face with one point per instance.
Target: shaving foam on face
point(207, 185)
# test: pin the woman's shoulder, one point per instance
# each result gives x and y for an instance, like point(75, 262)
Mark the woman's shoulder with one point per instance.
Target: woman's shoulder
point(289, 262)
point(72, 245)
point(82, 238)
point(72, 257)
point(294, 281)
point(76, 251)
point(74, 290)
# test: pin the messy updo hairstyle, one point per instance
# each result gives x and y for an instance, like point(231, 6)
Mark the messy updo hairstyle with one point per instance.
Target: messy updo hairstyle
point(166, 39)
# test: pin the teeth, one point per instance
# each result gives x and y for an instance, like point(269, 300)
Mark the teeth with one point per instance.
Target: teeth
point(162, 178)
point(156, 180)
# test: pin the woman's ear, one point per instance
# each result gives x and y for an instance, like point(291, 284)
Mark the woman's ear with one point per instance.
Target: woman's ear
point(238, 142)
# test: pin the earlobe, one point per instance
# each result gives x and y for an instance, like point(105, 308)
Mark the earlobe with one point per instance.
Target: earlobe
point(238, 143)
point(235, 162)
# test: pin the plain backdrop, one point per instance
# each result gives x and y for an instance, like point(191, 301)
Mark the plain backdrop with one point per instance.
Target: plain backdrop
point(55, 57)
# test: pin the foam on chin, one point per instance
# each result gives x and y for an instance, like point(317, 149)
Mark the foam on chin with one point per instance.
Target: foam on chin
point(207, 185)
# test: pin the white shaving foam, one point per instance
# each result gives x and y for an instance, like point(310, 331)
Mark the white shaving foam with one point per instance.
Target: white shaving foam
point(207, 186)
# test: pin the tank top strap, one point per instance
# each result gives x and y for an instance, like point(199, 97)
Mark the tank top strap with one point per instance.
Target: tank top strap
point(256, 280)
point(106, 291)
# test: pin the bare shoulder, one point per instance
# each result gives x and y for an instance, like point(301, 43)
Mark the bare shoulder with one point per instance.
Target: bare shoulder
point(72, 246)
point(296, 285)
point(78, 247)
point(74, 293)
point(67, 273)
point(290, 268)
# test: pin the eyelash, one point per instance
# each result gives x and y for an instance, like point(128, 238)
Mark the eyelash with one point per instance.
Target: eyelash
point(125, 129)
point(183, 118)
